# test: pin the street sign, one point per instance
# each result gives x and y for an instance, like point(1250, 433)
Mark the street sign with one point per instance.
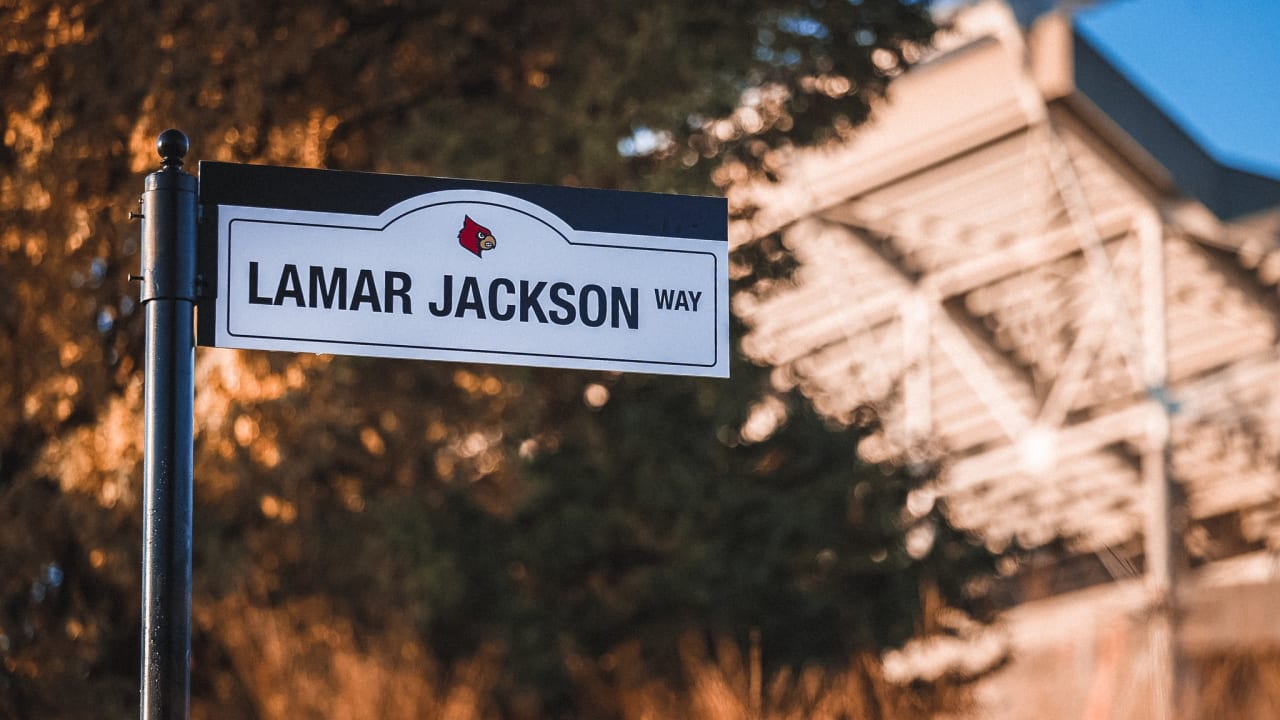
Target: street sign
point(394, 266)
point(411, 267)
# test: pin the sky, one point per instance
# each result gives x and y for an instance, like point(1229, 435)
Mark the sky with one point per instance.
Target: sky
point(1211, 65)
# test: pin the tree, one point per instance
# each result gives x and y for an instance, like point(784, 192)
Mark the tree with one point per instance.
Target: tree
point(397, 510)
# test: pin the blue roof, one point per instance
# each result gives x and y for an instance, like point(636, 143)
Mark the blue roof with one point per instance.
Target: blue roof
point(1191, 84)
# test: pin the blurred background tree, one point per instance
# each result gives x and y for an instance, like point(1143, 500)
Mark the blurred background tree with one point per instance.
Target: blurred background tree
point(399, 539)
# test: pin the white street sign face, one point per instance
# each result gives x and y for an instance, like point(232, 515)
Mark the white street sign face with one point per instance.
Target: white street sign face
point(470, 275)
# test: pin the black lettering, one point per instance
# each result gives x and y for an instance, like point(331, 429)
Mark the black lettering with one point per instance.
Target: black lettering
point(509, 310)
point(695, 296)
point(529, 301)
point(622, 310)
point(290, 286)
point(469, 298)
point(396, 284)
point(336, 289)
point(600, 304)
point(366, 292)
point(447, 309)
point(558, 291)
point(254, 297)
point(664, 298)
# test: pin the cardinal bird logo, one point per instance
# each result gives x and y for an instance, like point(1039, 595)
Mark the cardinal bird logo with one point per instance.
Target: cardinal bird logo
point(475, 237)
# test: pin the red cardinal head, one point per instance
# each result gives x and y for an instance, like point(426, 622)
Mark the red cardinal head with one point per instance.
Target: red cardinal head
point(475, 237)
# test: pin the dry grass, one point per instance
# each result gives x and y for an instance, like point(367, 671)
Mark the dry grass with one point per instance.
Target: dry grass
point(1242, 684)
point(302, 660)
point(726, 683)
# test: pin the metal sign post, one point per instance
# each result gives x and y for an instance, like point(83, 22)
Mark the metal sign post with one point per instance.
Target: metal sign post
point(169, 295)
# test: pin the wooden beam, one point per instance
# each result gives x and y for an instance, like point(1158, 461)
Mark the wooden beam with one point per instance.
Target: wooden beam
point(1016, 255)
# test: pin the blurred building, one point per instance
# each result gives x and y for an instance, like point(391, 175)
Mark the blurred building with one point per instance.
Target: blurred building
point(1043, 284)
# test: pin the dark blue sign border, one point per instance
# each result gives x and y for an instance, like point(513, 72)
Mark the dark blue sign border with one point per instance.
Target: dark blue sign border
point(357, 193)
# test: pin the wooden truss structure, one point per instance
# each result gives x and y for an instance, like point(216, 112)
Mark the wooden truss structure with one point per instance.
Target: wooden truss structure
point(1025, 294)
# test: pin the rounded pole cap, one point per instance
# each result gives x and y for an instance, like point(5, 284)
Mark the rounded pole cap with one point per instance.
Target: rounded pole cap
point(172, 146)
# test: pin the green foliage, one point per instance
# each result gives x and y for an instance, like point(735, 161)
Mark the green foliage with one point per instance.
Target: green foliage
point(650, 516)
point(653, 518)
